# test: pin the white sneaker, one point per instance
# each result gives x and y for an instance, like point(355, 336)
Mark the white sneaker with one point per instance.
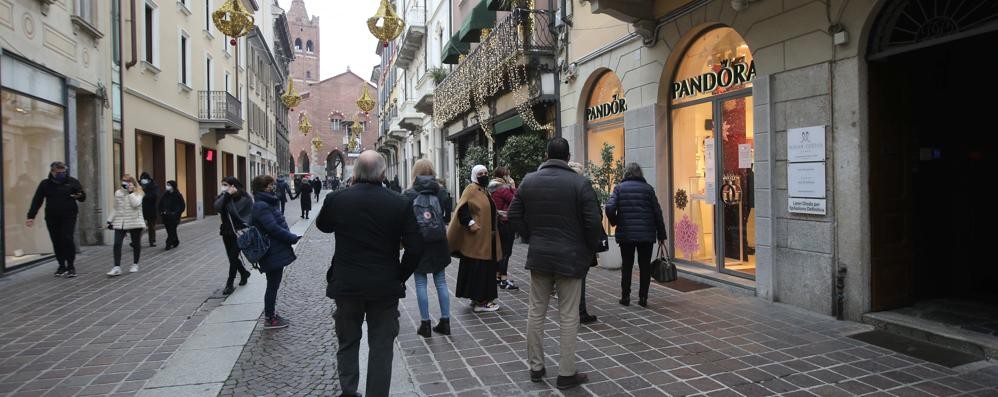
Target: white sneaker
point(488, 307)
point(115, 271)
point(134, 269)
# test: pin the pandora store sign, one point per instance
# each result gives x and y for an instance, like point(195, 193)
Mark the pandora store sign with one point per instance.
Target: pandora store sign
point(731, 74)
point(614, 107)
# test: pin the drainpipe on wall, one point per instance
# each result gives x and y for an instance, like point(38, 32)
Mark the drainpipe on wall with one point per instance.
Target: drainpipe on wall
point(557, 69)
point(135, 56)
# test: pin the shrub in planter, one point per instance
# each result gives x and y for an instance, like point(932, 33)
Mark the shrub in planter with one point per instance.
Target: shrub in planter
point(522, 154)
point(605, 175)
point(473, 156)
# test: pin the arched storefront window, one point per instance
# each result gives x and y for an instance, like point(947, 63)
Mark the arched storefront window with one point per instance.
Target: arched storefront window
point(604, 123)
point(712, 149)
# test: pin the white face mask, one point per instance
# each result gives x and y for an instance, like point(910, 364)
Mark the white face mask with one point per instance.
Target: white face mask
point(225, 188)
point(169, 188)
point(144, 181)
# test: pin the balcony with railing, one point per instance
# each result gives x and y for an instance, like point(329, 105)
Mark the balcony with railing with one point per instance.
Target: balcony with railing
point(219, 111)
point(498, 64)
point(415, 34)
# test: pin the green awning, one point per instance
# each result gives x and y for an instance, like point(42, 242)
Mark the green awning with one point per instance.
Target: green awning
point(452, 49)
point(509, 124)
point(500, 5)
point(480, 18)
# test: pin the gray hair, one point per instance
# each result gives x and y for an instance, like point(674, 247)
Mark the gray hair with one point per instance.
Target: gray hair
point(370, 167)
point(633, 170)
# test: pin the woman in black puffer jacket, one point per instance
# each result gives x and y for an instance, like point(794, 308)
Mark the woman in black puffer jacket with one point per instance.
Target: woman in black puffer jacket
point(634, 210)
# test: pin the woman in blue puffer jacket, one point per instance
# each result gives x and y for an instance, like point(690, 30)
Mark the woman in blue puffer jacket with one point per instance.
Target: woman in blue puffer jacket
point(268, 219)
point(634, 210)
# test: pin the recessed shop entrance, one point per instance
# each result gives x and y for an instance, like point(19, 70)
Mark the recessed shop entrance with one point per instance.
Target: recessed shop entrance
point(933, 152)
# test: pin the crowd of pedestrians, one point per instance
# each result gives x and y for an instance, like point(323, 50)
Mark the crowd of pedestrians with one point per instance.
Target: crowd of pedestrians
point(555, 208)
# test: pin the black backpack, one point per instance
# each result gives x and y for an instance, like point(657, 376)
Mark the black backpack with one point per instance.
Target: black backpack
point(429, 217)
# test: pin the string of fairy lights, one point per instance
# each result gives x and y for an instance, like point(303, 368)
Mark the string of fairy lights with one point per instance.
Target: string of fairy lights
point(498, 63)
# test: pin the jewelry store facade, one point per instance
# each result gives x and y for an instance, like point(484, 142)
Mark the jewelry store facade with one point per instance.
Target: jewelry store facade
point(771, 134)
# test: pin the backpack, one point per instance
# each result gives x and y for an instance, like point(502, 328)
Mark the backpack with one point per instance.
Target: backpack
point(252, 243)
point(429, 217)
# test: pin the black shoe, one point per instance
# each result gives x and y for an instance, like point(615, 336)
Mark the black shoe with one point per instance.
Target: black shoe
point(625, 301)
point(351, 395)
point(507, 284)
point(243, 277)
point(537, 376)
point(71, 272)
point(586, 318)
point(424, 329)
point(61, 271)
point(568, 382)
point(152, 243)
point(168, 247)
point(229, 289)
point(643, 302)
point(443, 327)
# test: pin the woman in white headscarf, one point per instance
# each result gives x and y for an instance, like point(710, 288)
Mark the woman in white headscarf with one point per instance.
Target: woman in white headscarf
point(473, 236)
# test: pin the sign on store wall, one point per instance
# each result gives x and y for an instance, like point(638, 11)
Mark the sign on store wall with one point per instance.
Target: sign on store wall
point(806, 170)
point(806, 144)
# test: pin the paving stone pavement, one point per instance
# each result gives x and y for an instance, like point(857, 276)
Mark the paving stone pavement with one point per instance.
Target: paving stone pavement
point(706, 343)
point(299, 360)
point(94, 335)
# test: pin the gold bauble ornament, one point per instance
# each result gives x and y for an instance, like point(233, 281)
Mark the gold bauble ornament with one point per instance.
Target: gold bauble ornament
point(232, 20)
point(391, 25)
point(365, 102)
point(316, 142)
point(304, 125)
point(290, 98)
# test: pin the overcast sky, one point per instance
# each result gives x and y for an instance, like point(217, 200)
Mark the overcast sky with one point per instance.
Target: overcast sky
point(345, 40)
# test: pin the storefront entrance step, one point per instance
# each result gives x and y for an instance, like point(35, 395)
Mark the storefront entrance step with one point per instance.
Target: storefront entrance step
point(731, 283)
point(980, 345)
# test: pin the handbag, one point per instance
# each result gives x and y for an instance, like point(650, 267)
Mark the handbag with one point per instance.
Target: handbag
point(662, 268)
point(252, 243)
point(604, 241)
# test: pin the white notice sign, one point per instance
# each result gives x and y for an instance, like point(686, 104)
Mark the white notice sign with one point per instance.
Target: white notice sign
point(806, 144)
point(806, 180)
point(710, 191)
point(745, 155)
point(807, 206)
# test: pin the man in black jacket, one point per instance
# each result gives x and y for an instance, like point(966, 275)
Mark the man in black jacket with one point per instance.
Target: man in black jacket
point(283, 192)
point(557, 209)
point(150, 205)
point(60, 192)
point(367, 278)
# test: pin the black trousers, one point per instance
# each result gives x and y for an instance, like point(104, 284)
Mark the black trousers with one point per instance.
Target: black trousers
point(151, 225)
point(506, 236)
point(283, 203)
point(270, 297)
point(317, 191)
point(644, 267)
point(171, 230)
point(135, 236)
point(235, 263)
point(382, 328)
point(61, 231)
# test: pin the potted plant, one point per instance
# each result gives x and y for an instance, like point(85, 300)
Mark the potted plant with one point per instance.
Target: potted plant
point(438, 74)
point(522, 154)
point(605, 176)
point(473, 156)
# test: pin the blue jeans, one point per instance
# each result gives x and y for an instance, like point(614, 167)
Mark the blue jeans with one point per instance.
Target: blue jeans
point(440, 279)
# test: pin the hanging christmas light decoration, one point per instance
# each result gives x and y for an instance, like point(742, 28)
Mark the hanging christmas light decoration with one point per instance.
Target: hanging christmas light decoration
point(365, 102)
point(317, 143)
point(497, 64)
point(232, 20)
point(290, 98)
point(356, 129)
point(391, 25)
point(304, 125)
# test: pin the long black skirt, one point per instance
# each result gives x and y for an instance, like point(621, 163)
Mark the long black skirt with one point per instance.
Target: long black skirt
point(476, 280)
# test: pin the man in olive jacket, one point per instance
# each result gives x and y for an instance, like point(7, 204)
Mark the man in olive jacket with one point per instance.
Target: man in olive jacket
point(557, 210)
point(367, 279)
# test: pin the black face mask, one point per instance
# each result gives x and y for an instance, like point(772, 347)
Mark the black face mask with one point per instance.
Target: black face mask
point(483, 180)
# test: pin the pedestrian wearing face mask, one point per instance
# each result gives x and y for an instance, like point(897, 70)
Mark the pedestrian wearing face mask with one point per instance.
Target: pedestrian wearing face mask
point(235, 208)
point(473, 234)
point(59, 192)
point(171, 206)
point(150, 202)
point(283, 192)
point(304, 193)
point(126, 218)
point(268, 220)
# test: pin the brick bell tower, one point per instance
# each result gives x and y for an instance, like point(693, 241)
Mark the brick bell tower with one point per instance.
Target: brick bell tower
point(305, 41)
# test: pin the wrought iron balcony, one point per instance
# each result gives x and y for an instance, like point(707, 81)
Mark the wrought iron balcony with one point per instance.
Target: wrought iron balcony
point(415, 34)
point(219, 111)
point(522, 39)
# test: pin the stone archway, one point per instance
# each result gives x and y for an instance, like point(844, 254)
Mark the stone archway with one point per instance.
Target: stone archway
point(336, 159)
point(303, 164)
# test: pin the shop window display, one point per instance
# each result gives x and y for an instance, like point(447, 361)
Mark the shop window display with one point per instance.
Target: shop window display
point(712, 153)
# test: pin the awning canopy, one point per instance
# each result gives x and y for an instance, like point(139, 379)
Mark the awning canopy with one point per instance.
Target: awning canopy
point(509, 124)
point(453, 49)
point(480, 18)
point(500, 5)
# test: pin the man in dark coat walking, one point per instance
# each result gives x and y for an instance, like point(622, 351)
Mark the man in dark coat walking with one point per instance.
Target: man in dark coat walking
point(366, 278)
point(316, 187)
point(150, 203)
point(59, 192)
point(557, 209)
point(283, 192)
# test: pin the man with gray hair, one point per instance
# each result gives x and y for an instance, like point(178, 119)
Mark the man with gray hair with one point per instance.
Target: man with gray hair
point(366, 277)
